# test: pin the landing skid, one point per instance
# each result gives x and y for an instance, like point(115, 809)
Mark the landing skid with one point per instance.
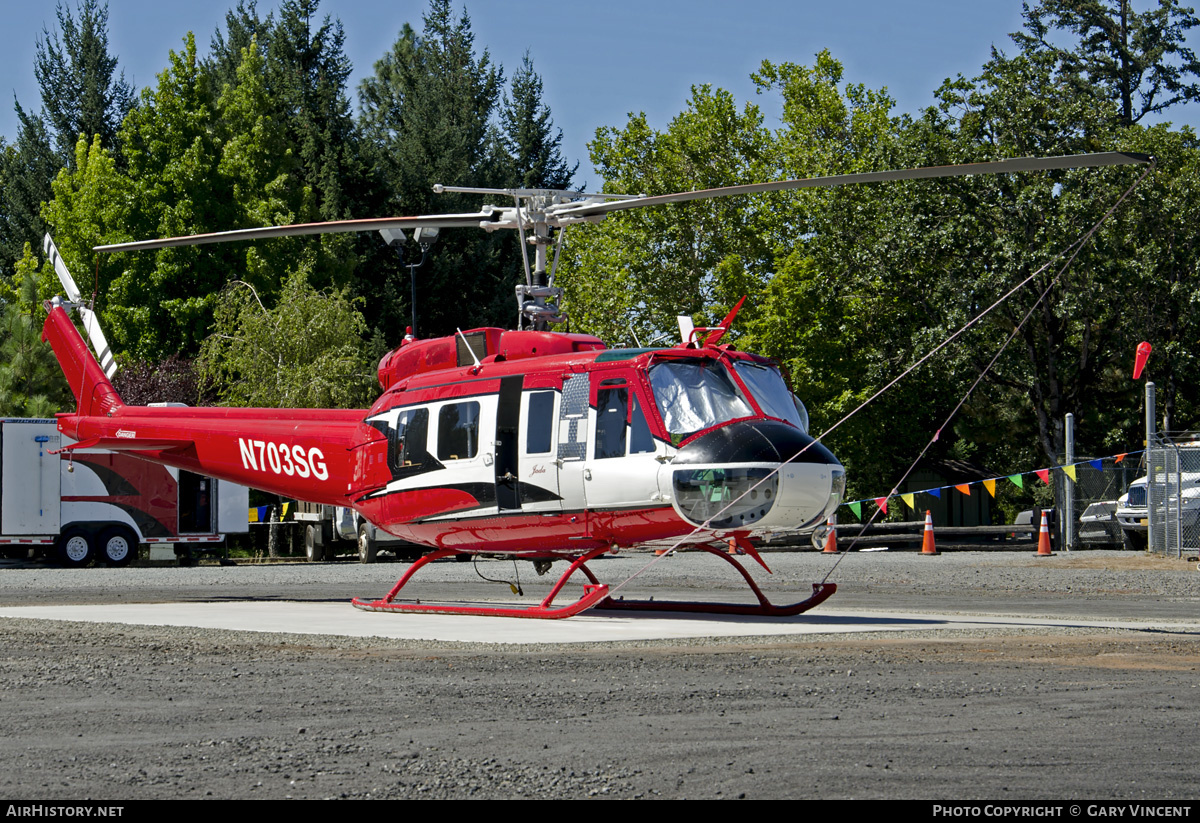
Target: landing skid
point(595, 596)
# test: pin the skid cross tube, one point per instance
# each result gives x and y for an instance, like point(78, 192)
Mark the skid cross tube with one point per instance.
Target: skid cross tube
point(595, 596)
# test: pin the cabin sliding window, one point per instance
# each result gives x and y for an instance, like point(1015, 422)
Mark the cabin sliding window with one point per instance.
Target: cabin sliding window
point(407, 444)
point(458, 431)
point(612, 409)
point(695, 394)
point(539, 424)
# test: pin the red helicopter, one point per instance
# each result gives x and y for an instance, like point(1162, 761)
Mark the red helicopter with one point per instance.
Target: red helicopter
point(532, 443)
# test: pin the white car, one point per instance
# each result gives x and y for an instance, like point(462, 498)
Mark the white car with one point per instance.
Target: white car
point(1133, 514)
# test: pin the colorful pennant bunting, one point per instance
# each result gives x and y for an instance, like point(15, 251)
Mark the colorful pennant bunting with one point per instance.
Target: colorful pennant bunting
point(936, 493)
point(965, 488)
point(1043, 475)
point(990, 485)
point(1070, 470)
point(1096, 464)
point(856, 507)
point(908, 498)
point(1017, 480)
point(881, 502)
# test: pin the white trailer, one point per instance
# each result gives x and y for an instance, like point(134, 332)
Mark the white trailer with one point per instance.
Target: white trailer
point(97, 504)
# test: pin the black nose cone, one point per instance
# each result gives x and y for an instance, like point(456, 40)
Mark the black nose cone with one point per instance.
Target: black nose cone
point(754, 441)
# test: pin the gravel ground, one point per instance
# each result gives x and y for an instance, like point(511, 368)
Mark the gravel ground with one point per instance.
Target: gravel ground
point(108, 712)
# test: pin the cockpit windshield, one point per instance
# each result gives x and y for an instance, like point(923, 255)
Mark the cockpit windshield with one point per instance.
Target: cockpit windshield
point(771, 393)
point(695, 394)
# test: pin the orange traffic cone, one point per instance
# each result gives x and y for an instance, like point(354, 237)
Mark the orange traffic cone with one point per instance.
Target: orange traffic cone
point(927, 546)
point(831, 537)
point(1044, 539)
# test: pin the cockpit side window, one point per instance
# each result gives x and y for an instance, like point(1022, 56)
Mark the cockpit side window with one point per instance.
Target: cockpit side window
point(641, 440)
point(770, 392)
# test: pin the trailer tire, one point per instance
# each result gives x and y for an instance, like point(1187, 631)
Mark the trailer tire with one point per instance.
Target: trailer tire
point(367, 550)
point(314, 548)
point(117, 546)
point(75, 548)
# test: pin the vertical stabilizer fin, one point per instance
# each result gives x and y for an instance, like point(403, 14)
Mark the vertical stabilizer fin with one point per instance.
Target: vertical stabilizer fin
point(94, 394)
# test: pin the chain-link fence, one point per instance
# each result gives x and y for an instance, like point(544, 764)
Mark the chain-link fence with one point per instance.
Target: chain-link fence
point(1172, 496)
point(1091, 499)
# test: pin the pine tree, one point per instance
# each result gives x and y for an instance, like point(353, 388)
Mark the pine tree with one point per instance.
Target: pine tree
point(26, 169)
point(529, 134)
point(429, 114)
point(81, 92)
point(31, 383)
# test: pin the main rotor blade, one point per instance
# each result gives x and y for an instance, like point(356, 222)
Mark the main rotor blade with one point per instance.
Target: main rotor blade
point(1019, 164)
point(442, 221)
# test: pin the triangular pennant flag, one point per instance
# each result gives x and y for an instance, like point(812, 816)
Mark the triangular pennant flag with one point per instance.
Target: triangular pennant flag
point(856, 507)
point(285, 508)
point(1096, 464)
point(965, 488)
point(936, 493)
point(1119, 457)
point(1017, 480)
point(1043, 475)
point(881, 502)
point(908, 498)
point(990, 485)
point(1070, 470)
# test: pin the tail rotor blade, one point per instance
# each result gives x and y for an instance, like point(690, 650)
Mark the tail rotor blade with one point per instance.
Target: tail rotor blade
point(104, 355)
point(60, 268)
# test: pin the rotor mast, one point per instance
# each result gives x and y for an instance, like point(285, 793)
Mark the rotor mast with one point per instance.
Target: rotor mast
point(535, 215)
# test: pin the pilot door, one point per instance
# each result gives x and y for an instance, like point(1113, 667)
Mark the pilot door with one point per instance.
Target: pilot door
point(620, 467)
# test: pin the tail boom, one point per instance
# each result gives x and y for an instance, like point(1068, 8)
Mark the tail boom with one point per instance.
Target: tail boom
point(300, 453)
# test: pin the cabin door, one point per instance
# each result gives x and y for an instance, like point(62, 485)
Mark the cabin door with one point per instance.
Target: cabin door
point(508, 432)
point(621, 469)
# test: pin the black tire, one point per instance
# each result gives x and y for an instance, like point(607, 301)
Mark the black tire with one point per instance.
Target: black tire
point(117, 546)
point(367, 550)
point(1138, 541)
point(314, 548)
point(75, 548)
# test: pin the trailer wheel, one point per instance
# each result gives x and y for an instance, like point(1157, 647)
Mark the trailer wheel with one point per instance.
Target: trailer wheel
point(118, 546)
point(74, 548)
point(314, 548)
point(366, 545)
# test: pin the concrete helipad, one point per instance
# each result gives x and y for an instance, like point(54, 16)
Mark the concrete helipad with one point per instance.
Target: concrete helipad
point(341, 619)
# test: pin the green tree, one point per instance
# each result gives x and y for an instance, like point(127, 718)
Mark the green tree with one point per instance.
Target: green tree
point(428, 115)
point(27, 167)
point(81, 92)
point(1140, 59)
point(81, 95)
point(628, 278)
point(306, 352)
point(31, 382)
point(533, 144)
point(243, 27)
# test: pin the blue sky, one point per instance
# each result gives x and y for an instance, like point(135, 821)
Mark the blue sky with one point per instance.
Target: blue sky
point(599, 61)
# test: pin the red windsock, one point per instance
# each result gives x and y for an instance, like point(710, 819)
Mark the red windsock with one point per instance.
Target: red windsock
point(1139, 362)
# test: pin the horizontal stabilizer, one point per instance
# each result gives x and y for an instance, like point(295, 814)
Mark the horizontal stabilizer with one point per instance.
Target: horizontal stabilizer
point(126, 441)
